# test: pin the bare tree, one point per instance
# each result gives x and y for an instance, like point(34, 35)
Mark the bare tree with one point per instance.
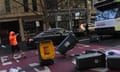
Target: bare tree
point(45, 14)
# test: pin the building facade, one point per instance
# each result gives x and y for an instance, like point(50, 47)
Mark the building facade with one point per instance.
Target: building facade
point(70, 13)
point(22, 16)
point(26, 16)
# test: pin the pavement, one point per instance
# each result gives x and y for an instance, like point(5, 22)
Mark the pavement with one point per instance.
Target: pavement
point(61, 64)
point(32, 63)
point(5, 49)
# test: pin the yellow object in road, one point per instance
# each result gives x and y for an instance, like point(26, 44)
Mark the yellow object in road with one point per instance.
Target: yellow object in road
point(47, 50)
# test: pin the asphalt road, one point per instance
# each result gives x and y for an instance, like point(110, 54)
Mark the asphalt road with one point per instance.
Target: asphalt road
point(6, 49)
point(60, 62)
point(109, 42)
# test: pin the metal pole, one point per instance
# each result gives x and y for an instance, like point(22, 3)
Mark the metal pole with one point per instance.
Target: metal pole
point(88, 16)
point(70, 23)
point(45, 14)
point(56, 21)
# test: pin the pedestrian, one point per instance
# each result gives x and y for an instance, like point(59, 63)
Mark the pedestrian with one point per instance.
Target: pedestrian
point(81, 27)
point(16, 51)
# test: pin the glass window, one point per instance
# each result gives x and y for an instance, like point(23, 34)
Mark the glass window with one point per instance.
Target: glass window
point(51, 4)
point(34, 5)
point(29, 27)
point(107, 14)
point(7, 5)
point(25, 4)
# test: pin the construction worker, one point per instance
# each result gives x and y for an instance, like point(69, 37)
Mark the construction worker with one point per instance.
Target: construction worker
point(14, 44)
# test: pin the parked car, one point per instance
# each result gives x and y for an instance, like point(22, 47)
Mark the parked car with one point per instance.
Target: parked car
point(61, 31)
point(52, 34)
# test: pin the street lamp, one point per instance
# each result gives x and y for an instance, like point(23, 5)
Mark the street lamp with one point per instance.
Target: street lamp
point(69, 13)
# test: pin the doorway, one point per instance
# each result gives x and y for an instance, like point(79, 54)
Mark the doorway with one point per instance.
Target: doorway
point(5, 28)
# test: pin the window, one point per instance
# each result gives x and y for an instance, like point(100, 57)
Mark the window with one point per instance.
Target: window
point(34, 5)
point(51, 4)
point(25, 4)
point(107, 14)
point(7, 5)
point(29, 27)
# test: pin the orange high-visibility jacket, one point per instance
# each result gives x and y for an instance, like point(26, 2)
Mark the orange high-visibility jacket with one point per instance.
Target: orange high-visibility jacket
point(13, 38)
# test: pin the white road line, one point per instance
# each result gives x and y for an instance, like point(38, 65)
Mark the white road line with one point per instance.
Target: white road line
point(46, 69)
point(37, 70)
point(5, 61)
point(3, 70)
point(100, 69)
point(34, 64)
point(83, 40)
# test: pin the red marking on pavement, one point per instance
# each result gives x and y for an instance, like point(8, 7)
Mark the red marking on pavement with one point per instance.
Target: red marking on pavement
point(61, 64)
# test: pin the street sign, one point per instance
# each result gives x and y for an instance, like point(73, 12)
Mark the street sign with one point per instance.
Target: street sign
point(46, 50)
point(37, 24)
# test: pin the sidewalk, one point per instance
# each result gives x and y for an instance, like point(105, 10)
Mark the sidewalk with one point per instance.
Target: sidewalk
point(7, 50)
point(61, 64)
